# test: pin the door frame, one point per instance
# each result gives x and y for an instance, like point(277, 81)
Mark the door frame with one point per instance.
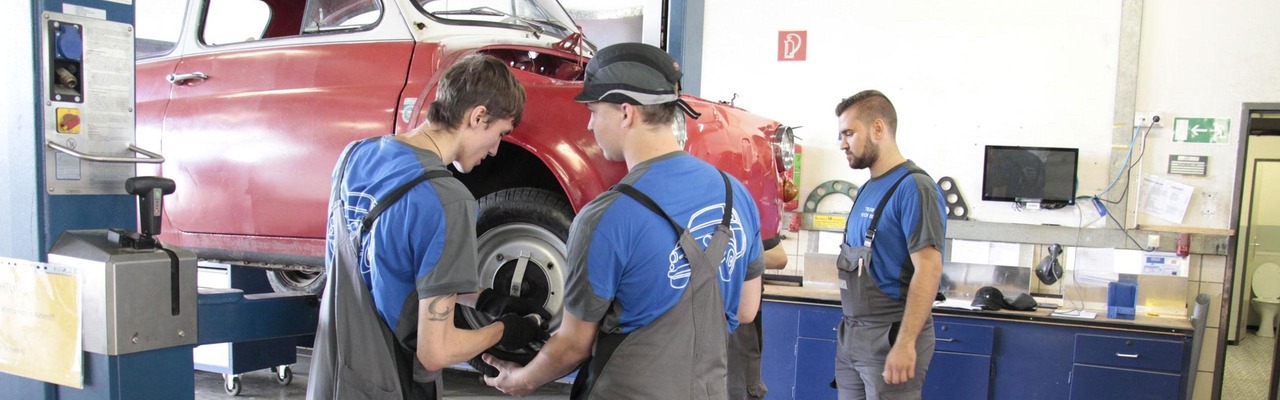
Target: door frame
point(1229, 289)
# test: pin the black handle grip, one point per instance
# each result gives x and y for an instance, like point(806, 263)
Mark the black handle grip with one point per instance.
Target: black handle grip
point(150, 191)
point(143, 185)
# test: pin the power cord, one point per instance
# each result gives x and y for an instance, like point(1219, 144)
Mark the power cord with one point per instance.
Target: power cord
point(1128, 173)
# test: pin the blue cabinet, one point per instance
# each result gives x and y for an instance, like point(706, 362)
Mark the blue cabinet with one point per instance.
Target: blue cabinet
point(980, 357)
point(1103, 383)
point(1149, 368)
point(815, 369)
point(961, 366)
point(958, 376)
point(799, 357)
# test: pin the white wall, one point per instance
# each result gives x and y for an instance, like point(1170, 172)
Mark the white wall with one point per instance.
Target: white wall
point(1203, 59)
point(961, 77)
point(964, 75)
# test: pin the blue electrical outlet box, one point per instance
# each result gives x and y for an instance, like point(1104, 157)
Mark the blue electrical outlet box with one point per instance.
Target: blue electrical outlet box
point(1122, 300)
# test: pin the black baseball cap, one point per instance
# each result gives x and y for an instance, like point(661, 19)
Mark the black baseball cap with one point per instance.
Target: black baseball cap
point(988, 298)
point(633, 73)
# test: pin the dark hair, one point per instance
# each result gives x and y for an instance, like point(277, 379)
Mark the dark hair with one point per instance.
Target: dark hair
point(870, 105)
point(476, 80)
point(658, 114)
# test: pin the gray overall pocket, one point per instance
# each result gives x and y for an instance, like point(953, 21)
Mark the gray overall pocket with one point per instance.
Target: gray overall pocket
point(855, 279)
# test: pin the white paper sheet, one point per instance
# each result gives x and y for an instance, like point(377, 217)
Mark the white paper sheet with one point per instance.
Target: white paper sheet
point(1165, 199)
point(829, 242)
point(1007, 254)
point(1094, 262)
point(970, 252)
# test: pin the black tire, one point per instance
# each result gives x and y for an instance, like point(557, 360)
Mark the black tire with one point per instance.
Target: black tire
point(522, 221)
point(283, 281)
point(540, 207)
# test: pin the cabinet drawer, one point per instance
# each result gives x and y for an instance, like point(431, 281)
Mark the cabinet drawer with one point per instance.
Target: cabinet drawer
point(1128, 352)
point(819, 322)
point(964, 338)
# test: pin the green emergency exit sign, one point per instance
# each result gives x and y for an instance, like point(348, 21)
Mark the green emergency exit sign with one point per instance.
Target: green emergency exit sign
point(1201, 130)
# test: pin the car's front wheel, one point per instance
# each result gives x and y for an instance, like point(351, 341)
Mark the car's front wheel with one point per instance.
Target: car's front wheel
point(522, 249)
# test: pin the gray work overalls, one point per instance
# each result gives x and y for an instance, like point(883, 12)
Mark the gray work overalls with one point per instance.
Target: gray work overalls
point(356, 356)
point(871, 318)
point(680, 355)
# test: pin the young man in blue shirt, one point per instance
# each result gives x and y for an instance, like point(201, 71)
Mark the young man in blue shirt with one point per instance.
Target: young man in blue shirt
point(402, 246)
point(663, 266)
point(890, 262)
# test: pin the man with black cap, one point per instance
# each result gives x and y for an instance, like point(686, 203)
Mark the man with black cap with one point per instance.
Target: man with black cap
point(663, 265)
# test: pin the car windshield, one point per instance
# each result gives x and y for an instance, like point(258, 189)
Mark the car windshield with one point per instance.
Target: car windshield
point(538, 16)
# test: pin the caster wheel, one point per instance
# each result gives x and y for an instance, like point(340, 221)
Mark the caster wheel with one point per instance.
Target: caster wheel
point(284, 374)
point(231, 384)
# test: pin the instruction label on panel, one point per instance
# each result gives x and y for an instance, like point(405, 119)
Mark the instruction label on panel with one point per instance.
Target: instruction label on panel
point(1201, 130)
point(87, 87)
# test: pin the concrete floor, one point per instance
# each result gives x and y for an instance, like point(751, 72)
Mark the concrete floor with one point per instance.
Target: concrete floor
point(262, 385)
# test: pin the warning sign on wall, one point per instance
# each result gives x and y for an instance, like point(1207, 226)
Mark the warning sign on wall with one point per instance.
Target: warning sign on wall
point(792, 45)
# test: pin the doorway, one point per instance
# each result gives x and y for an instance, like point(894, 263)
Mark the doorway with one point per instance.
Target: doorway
point(1247, 354)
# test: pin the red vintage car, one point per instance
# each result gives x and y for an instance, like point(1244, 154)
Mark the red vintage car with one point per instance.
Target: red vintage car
point(253, 100)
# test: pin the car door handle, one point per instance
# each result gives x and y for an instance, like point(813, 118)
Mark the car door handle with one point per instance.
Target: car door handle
point(181, 79)
point(1122, 355)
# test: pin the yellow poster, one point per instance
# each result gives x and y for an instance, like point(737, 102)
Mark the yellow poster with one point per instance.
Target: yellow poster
point(40, 333)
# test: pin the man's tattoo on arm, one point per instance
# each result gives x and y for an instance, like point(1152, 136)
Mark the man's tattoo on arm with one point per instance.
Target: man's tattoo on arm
point(439, 308)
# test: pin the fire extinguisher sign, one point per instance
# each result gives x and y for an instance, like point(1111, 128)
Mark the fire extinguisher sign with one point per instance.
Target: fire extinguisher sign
point(792, 45)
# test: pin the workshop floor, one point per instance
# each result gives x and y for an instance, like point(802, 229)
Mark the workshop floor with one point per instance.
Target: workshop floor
point(1248, 368)
point(462, 385)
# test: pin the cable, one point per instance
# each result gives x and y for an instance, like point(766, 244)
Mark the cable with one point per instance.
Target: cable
point(1128, 167)
point(1126, 231)
point(1132, 141)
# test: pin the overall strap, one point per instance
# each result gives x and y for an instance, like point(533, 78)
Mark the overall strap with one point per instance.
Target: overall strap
point(395, 195)
point(648, 202)
point(870, 236)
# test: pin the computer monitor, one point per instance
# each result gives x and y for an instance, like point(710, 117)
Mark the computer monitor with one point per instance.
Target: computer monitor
point(1044, 175)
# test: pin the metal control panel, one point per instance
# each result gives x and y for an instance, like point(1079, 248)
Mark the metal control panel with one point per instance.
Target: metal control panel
point(134, 300)
point(87, 85)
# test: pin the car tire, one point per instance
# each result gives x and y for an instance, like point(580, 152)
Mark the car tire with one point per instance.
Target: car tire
point(527, 223)
point(285, 281)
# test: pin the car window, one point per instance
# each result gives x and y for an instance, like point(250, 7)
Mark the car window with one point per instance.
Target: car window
point(234, 21)
point(331, 15)
point(539, 16)
point(159, 23)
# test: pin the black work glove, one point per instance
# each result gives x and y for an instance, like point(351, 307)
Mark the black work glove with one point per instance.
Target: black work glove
point(496, 303)
point(482, 367)
point(519, 331)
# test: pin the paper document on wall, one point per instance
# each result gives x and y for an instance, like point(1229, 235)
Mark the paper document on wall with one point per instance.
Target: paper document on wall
point(1007, 254)
point(1164, 199)
point(970, 252)
point(829, 242)
point(1095, 263)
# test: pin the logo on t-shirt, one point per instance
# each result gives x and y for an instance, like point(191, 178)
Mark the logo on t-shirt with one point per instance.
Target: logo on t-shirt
point(702, 226)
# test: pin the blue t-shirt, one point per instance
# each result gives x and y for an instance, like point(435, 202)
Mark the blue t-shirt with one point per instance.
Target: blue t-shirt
point(913, 219)
point(421, 246)
point(626, 266)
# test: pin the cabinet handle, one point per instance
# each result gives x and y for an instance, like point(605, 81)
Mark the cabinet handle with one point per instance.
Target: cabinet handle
point(1122, 355)
point(945, 339)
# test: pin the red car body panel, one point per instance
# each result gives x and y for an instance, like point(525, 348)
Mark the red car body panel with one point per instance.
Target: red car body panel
point(252, 147)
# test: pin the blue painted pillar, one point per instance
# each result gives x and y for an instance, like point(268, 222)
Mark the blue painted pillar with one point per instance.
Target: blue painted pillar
point(31, 218)
point(684, 41)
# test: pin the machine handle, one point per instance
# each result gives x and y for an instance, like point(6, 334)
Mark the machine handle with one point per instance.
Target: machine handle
point(180, 79)
point(1122, 355)
point(945, 339)
point(152, 158)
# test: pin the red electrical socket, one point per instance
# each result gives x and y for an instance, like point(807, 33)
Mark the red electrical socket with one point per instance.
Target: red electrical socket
point(1184, 244)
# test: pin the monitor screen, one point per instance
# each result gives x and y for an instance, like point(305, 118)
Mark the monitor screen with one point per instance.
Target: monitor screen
point(1044, 175)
